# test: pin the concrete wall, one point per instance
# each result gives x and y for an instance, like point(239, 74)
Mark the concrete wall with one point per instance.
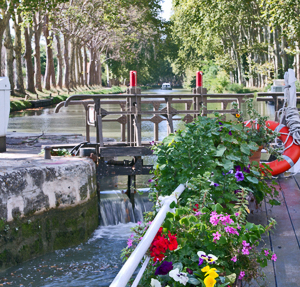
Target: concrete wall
point(45, 205)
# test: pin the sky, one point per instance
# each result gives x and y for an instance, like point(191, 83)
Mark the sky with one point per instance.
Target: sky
point(166, 7)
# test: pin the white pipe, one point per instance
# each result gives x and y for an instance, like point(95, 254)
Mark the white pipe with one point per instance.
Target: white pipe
point(135, 258)
point(141, 272)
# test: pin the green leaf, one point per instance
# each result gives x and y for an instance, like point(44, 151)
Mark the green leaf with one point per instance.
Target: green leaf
point(170, 215)
point(230, 278)
point(173, 204)
point(233, 157)
point(227, 164)
point(167, 224)
point(274, 202)
point(184, 221)
point(218, 208)
point(245, 149)
point(252, 179)
point(193, 219)
point(220, 150)
point(194, 281)
point(178, 265)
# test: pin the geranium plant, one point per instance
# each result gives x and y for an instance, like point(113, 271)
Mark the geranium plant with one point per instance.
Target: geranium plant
point(207, 240)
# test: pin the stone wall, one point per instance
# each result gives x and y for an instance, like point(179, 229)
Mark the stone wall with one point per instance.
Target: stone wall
point(45, 205)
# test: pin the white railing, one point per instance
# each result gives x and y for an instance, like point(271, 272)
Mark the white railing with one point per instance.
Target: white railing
point(135, 258)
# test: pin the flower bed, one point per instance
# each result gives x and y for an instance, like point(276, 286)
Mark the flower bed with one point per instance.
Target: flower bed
point(207, 240)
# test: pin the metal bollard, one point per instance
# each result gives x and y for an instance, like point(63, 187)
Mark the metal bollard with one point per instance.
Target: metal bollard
point(47, 152)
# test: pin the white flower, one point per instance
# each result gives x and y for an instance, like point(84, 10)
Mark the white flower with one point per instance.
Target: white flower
point(208, 258)
point(155, 283)
point(179, 276)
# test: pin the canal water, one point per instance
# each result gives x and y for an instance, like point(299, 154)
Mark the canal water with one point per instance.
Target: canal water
point(96, 262)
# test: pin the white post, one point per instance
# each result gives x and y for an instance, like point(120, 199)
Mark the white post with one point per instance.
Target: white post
point(4, 110)
point(135, 258)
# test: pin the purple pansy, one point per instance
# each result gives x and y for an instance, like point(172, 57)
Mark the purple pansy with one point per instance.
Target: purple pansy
point(164, 268)
point(216, 184)
point(239, 176)
point(188, 270)
point(237, 168)
point(246, 169)
point(200, 261)
point(230, 133)
point(220, 123)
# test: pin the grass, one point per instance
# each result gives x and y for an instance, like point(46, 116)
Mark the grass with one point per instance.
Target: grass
point(20, 102)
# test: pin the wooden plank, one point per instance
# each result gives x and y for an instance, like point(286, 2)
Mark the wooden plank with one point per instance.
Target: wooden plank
point(285, 246)
point(259, 216)
point(111, 170)
point(124, 151)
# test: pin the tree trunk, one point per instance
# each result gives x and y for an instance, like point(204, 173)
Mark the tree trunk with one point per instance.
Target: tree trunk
point(60, 62)
point(49, 58)
point(284, 56)
point(37, 27)
point(9, 58)
point(66, 59)
point(28, 59)
point(277, 62)
point(297, 68)
point(80, 66)
point(92, 67)
point(18, 54)
point(72, 65)
point(85, 65)
point(4, 21)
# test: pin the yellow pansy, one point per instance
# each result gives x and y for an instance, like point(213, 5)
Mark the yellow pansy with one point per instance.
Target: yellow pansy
point(212, 273)
point(205, 269)
point(209, 281)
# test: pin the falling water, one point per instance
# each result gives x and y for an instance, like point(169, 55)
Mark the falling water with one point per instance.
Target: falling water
point(116, 208)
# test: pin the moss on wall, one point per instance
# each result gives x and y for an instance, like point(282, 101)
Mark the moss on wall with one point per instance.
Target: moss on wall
point(31, 236)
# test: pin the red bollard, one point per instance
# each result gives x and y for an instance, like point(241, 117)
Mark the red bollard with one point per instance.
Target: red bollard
point(199, 79)
point(133, 79)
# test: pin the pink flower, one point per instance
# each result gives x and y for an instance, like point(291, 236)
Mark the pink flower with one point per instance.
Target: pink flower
point(237, 214)
point(242, 274)
point(238, 226)
point(139, 222)
point(217, 236)
point(245, 251)
point(274, 257)
point(129, 242)
point(234, 259)
point(214, 220)
point(266, 252)
point(132, 235)
point(231, 230)
point(245, 244)
point(198, 213)
point(141, 238)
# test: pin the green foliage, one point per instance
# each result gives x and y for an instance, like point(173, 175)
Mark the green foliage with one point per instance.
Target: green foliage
point(19, 105)
point(208, 154)
point(196, 230)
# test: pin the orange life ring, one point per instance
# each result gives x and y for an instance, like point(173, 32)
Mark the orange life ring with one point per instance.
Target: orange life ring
point(290, 155)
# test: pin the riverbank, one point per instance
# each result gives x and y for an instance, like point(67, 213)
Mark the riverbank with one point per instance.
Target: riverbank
point(54, 97)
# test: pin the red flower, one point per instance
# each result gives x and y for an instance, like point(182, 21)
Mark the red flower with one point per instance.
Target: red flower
point(196, 209)
point(161, 244)
point(173, 242)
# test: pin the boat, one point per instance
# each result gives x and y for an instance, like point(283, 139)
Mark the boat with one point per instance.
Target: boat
point(277, 87)
point(166, 86)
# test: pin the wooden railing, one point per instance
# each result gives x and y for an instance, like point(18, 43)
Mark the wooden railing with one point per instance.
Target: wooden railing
point(130, 112)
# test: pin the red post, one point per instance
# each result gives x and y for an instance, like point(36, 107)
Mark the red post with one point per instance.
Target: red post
point(133, 79)
point(199, 79)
